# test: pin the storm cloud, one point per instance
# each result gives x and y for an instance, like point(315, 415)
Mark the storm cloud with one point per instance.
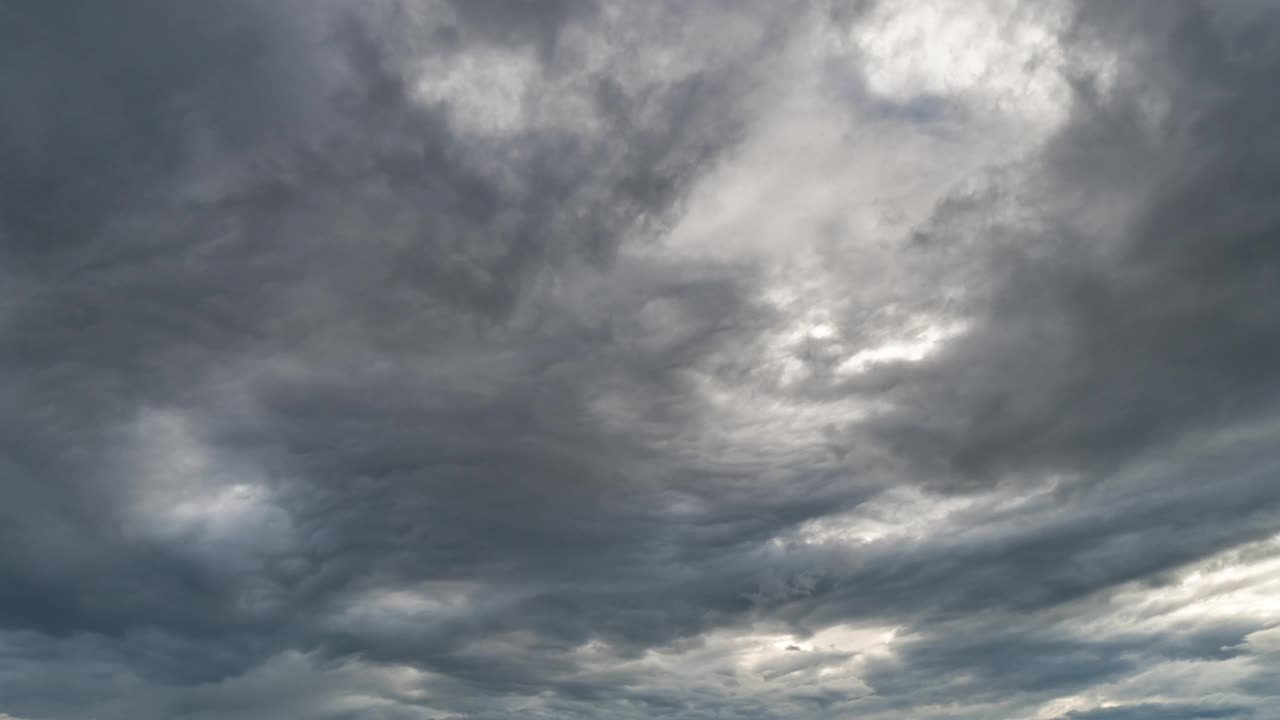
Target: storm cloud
point(423, 359)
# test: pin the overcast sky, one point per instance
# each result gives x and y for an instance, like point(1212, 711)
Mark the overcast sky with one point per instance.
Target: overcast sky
point(578, 360)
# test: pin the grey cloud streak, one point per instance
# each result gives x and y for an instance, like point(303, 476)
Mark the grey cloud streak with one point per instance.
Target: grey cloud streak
point(588, 359)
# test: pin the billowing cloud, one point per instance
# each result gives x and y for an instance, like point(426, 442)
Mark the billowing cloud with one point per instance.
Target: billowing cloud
point(457, 359)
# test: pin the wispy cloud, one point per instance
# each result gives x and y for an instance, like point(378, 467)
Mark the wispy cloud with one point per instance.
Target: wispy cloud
point(466, 359)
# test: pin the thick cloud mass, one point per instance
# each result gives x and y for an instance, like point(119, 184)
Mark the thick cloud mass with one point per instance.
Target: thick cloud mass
point(431, 359)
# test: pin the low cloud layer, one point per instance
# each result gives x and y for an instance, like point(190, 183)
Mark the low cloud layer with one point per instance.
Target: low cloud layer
point(584, 359)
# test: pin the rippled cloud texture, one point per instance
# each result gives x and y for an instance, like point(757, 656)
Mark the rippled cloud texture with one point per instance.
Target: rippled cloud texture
point(566, 359)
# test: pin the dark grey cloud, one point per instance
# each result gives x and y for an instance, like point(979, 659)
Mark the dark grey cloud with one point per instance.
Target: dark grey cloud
point(1092, 347)
point(578, 359)
point(1162, 711)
